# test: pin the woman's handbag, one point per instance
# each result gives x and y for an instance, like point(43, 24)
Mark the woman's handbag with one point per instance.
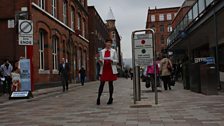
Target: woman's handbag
point(169, 66)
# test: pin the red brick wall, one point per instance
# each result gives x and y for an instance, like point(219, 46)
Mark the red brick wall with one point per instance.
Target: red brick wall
point(51, 27)
point(157, 23)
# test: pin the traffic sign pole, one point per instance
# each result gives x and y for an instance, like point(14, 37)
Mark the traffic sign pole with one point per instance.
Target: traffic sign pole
point(136, 79)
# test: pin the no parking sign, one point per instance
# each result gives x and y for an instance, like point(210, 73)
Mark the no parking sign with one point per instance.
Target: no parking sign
point(25, 32)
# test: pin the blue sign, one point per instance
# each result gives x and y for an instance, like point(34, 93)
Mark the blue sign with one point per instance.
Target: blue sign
point(210, 60)
point(25, 75)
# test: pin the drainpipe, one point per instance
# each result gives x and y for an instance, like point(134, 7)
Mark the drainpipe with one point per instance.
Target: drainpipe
point(216, 47)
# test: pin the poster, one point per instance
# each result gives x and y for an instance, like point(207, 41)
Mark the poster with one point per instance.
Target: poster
point(25, 75)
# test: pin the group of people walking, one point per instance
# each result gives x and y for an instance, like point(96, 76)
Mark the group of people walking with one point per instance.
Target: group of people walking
point(164, 68)
point(9, 77)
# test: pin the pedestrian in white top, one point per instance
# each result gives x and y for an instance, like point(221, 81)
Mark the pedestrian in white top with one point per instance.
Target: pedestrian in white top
point(6, 69)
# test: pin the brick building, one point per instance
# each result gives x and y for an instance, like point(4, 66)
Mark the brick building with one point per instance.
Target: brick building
point(161, 21)
point(98, 33)
point(114, 35)
point(60, 31)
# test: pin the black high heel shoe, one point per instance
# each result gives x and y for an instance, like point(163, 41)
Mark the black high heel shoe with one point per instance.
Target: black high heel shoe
point(98, 101)
point(110, 101)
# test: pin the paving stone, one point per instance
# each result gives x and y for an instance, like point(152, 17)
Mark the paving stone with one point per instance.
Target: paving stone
point(78, 107)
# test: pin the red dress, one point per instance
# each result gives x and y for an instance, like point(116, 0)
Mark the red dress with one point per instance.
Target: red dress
point(107, 74)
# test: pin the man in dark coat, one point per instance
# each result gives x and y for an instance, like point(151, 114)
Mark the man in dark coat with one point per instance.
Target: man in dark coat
point(82, 73)
point(64, 73)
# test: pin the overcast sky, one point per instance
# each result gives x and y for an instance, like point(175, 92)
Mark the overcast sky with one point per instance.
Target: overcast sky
point(130, 15)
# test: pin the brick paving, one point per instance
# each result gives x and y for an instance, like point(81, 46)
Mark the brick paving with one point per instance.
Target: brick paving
point(78, 108)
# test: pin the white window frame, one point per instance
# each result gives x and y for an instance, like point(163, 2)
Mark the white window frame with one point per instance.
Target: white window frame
point(54, 8)
point(73, 19)
point(169, 16)
point(84, 59)
point(41, 49)
point(79, 22)
point(161, 17)
point(153, 18)
point(64, 12)
point(169, 28)
point(55, 52)
point(42, 4)
point(83, 27)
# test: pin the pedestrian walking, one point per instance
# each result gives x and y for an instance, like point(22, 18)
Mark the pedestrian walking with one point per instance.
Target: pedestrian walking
point(16, 83)
point(131, 73)
point(82, 74)
point(6, 69)
point(126, 73)
point(108, 72)
point(150, 75)
point(64, 73)
point(166, 70)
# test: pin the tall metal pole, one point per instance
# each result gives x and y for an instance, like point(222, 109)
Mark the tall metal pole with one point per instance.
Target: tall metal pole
point(25, 51)
point(134, 69)
point(136, 79)
point(155, 68)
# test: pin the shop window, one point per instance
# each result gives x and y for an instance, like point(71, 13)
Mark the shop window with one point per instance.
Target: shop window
point(55, 52)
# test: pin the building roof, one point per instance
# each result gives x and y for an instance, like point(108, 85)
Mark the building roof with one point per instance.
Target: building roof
point(110, 15)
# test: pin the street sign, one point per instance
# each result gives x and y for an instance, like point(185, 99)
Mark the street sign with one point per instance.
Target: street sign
point(25, 32)
point(143, 49)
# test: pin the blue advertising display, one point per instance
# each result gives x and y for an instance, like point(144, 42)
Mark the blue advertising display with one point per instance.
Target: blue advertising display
point(25, 75)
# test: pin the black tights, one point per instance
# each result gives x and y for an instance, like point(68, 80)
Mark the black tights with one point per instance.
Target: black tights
point(111, 89)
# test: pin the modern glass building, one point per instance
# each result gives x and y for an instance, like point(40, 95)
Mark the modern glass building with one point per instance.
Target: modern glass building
point(200, 34)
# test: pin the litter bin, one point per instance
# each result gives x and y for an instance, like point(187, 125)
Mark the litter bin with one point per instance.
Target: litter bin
point(186, 78)
point(195, 81)
point(209, 79)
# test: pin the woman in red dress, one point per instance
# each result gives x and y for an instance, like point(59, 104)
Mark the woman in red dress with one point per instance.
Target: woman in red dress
point(108, 72)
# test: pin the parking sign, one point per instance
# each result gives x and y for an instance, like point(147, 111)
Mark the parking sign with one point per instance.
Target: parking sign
point(25, 32)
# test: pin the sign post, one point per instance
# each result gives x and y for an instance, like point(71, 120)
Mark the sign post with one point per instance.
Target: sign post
point(25, 35)
point(143, 55)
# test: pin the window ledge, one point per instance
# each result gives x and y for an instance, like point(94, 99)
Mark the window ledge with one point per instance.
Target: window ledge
point(55, 71)
point(41, 71)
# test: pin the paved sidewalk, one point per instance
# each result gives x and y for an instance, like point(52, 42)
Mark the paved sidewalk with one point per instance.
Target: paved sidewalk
point(78, 108)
